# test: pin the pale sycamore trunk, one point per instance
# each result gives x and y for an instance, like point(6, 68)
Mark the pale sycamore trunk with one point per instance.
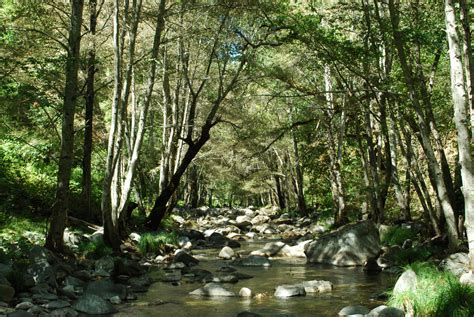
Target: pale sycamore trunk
point(460, 102)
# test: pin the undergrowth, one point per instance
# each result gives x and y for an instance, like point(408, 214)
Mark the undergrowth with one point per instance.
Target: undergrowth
point(151, 242)
point(438, 294)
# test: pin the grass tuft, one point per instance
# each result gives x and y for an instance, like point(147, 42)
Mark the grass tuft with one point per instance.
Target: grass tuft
point(150, 242)
point(438, 294)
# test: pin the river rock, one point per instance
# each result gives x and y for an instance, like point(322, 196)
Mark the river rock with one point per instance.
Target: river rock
point(406, 282)
point(467, 278)
point(226, 253)
point(457, 263)
point(64, 312)
point(104, 266)
point(231, 278)
point(270, 249)
point(188, 260)
point(21, 313)
point(253, 260)
point(184, 242)
point(212, 289)
point(384, 311)
point(296, 251)
point(57, 304)
point(93, 305)
point(289, 291)
point(128, 267)
point(353, 310)
point(245, 292)
point(106, 289)
point(317, 286)
point(260, 219)
point(24, 305)
point(350, 245)
point(6, 293)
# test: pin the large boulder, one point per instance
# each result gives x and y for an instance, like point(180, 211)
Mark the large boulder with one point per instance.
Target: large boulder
point(457, 263)
point(350, 245)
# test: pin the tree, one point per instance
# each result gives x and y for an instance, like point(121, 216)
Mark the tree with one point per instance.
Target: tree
point(54, 239)
point(460, 103)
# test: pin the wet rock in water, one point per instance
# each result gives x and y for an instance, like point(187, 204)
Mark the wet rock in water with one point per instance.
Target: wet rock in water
point(231, 278)
point(228, 269)
point(171, 276)
point(245, 292)
point(248, 314)
point(184, 257)
point(270, 249)
point(242, 276)
point(251, 235)
point(93, 305)
point(384, 311)
point(406, 282)
point(289, 291)
point(353, 310)
point(212, 289)
point(106, 289)
point(350, 245)
point(6, 293)
point(317, 286)
point(253, 260)
point(457, 263)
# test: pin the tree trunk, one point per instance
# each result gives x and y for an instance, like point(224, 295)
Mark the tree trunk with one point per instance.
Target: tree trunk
point(89, 112)
point(460, 102)
point(158, 211)
point(468, 59)
point(299, 179)
point(424, 130)
point(54, 239)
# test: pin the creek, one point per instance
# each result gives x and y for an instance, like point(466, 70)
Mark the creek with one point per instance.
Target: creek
point(351, 287)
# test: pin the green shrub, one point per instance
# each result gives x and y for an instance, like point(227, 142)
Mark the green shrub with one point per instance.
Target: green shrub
point(397, 235)
point(95, 249)
point(151, 242)
point(438, 294)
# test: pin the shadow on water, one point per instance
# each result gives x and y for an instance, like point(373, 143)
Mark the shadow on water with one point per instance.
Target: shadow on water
point(351, 287)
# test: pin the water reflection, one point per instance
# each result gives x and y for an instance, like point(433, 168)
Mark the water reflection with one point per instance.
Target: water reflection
point(351, 286)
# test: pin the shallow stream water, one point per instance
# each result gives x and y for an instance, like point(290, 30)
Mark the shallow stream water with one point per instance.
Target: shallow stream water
point(351, 287)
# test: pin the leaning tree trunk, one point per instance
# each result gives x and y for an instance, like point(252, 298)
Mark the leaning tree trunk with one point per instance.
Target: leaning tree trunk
point(54, 239)
point(460, 101)
point(423, 130)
